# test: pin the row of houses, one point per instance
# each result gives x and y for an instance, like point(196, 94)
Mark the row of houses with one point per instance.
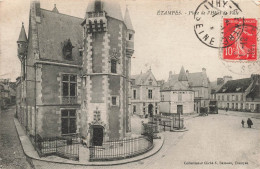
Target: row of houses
point(238, 95)
point(7, 93)
point(188, 93)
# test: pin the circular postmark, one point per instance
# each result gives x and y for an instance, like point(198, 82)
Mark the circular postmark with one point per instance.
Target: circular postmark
point(210, 23)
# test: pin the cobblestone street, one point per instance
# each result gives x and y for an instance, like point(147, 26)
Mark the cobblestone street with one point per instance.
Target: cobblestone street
point(11, 153)
point(214, 138)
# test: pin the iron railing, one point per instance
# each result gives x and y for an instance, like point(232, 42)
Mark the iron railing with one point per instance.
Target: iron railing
point(65, 146)
point(170, 122)
point(120, 149)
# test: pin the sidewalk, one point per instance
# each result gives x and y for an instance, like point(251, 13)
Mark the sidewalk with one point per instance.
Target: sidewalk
point(30, 152)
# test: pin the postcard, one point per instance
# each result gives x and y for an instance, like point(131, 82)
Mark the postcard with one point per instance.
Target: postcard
point(165, 84)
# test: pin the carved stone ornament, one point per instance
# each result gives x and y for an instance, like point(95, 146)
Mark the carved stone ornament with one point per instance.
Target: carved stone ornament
point(114, 56)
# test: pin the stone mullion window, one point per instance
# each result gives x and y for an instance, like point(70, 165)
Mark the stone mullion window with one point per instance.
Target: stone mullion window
point(68, 122)
point(150, 94)
point(69, 88)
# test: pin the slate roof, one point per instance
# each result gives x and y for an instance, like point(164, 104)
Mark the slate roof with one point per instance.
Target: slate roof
point(178, 86)
point(22, 36)
point(112, 8)
point(235, 86)
point(141, 77)
point(127, 20)
point(53, 30)
point(195, 79)
point(182, 76)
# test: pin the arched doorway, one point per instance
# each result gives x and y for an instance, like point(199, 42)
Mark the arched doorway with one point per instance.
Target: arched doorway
point(97, 135)
point(150, 110)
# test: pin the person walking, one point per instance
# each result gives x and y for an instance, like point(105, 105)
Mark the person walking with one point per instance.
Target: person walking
point(242, 122)
point(249, 122)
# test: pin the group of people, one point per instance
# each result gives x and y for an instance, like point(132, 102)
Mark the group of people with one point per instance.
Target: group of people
point(249, 123)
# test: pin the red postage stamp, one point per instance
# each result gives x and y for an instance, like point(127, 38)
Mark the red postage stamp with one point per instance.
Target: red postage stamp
point(243, 33)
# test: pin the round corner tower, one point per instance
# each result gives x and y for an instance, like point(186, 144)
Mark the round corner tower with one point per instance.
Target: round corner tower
point(108, 47)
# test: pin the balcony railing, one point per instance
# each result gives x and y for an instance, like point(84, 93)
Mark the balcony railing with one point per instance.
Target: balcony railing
point(96, 14)
point(69, 99)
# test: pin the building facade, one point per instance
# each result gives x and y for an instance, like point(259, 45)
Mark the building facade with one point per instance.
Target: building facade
point(177, 97)
point(199, 83)
point(145, 94)
point(240, 94)
point(75, 73)
point(216, 85)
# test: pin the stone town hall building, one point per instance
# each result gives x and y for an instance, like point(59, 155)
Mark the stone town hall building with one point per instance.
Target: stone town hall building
point(75, 73)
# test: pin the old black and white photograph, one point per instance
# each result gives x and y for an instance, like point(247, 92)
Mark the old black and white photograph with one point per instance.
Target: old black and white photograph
point(129, 84)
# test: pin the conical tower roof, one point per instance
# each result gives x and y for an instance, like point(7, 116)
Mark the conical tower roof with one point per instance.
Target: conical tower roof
point(22, 36)
point(182, 75)
point(127, 20)
point(111, 7)
point(55, 9)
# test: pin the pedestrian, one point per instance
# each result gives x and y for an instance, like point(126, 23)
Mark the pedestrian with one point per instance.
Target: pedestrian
point(226, 109)
point(242, 122)
point(249, 122)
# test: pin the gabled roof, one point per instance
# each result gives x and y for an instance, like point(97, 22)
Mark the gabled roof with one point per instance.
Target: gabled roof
point(141, 78)
point(235, 86)
point(127, 20)
point(195, 79)
point(22, 36)
point(182, 75)
point(111, 7)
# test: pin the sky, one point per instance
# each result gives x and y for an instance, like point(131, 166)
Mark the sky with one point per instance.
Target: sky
point(162, 42)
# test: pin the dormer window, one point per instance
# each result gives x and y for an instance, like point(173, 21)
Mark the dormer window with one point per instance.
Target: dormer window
point(98, 6)
point(67, 49)
point(238, 89)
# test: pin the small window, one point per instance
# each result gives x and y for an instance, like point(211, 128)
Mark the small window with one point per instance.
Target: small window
point(162, 97)
point(143, 104)
point(114, 100)
point(113, 66)
point(134, 94)
point(144, 110)
point(130, 36)
point(134, 108)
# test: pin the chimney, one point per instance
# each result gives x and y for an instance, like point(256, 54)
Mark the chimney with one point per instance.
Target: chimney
point(187, 71)
point(203, 69)
point(227, 78)
point(220, 81)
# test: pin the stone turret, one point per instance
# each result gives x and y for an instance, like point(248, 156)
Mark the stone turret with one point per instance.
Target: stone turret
point(22, 43)
point(107, 54)
point(130, 34)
